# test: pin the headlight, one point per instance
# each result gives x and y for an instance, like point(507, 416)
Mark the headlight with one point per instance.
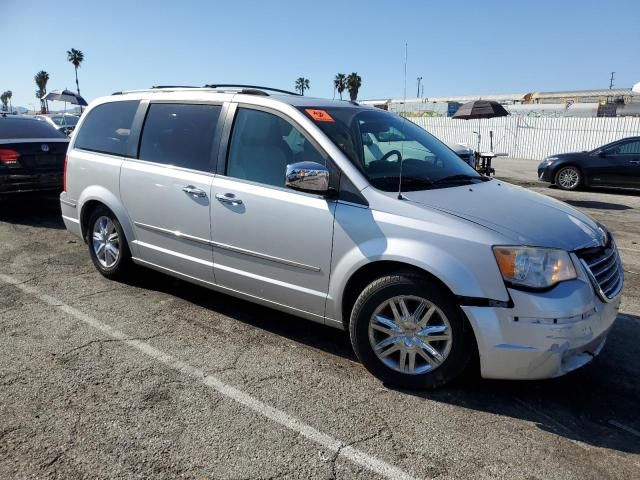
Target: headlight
point(534, 267)
point(547, 161)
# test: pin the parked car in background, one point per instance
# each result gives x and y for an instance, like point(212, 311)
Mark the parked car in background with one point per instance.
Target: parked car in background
point(31, 155)
point(64, 122)
point(349, 216)
point(465, 152)
point(616, 164)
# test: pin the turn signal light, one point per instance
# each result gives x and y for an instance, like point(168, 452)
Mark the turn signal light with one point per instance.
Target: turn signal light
point(9, 157)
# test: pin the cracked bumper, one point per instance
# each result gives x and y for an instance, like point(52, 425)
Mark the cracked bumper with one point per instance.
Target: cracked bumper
point(545, 334)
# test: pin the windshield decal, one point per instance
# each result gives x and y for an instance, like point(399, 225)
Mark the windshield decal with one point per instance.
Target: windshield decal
point(319, 115)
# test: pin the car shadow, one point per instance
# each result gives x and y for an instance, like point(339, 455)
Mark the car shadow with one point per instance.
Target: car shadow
point(32, 209)
point(597, 405)
point(598, 205)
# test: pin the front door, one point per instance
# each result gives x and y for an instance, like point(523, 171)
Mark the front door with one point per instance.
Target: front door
point(167, 190)
point(618, 165)
point(270, 242)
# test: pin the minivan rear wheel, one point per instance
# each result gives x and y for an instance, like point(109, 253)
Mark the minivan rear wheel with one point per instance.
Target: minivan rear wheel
point(408, 331)
point(107, 244)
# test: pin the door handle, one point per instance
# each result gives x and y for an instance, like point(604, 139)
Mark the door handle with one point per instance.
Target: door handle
point(635, 162)
point(191, 190)
point(228, 198)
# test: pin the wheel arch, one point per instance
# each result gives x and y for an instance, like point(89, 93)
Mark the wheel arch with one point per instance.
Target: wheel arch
point(364, 275)
point(99, 196)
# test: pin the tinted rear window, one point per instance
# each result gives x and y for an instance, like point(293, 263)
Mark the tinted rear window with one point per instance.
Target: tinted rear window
point(27, 128)
point(107, 129)
point(179, 135)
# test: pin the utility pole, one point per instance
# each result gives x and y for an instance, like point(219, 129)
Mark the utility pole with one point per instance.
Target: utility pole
point(419, 80)
point(611, 80)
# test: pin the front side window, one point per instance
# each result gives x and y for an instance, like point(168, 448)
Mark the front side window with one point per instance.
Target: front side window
point(630, 148)
point(382, 145)
point(263, 144)
point(107, 129)
point(180, 135)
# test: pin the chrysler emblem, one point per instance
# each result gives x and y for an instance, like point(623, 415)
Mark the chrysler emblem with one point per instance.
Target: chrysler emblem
point(44, 147)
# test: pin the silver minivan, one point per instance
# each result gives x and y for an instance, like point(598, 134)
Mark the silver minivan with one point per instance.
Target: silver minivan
point(345, 215)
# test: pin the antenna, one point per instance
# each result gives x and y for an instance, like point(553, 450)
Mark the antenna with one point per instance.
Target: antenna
point(404, 119)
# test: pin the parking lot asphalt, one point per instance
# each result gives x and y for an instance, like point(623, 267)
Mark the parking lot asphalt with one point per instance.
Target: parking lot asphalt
point(157, 378)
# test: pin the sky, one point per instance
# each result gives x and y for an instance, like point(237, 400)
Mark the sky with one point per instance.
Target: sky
point(458, 47)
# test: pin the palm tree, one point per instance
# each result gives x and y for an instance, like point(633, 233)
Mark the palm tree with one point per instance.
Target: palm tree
point(9, 95)
point(41, 80)
point(340, 83)
point(4, 100)
point(75, 57)
point(354, 82)
point(302, 84)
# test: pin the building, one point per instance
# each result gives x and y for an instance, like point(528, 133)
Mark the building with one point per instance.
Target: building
point(606, 102)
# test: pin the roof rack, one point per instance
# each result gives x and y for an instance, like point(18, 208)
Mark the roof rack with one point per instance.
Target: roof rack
point(253, 89)
point(246, 89)
point(173, 86)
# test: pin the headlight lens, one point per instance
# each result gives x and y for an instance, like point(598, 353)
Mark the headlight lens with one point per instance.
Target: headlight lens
point(548, 161)
point(534, 267)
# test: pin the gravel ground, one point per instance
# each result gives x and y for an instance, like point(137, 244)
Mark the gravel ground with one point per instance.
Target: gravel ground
point(134, 380)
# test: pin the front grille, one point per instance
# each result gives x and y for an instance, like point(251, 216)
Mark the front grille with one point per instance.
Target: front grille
point(605, 269)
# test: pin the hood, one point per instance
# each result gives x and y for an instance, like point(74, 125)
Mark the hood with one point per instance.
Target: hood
point(525, 217)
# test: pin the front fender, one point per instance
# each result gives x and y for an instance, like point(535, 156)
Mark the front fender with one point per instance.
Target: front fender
point(461, 258)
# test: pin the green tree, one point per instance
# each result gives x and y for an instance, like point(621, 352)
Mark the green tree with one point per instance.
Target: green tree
point(302, 84)
point(354, 82)
point(76, 57)
point(41, 78)
point(340, 83)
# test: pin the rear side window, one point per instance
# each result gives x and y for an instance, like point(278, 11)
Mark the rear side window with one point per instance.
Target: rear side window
point(180, 135)
point(27, 128)
point(107, 129)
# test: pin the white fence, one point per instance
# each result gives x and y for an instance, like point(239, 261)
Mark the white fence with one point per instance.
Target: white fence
point(533, 138)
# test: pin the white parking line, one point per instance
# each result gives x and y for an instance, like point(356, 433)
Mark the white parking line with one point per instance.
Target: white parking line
point(352, 454)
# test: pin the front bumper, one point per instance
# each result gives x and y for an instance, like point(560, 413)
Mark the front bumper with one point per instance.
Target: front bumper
point(545, 174)
point(545, 334)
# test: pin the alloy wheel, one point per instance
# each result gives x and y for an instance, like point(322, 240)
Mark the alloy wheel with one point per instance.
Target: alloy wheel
point(106, 242)
point(568, 178)
point(410, 334)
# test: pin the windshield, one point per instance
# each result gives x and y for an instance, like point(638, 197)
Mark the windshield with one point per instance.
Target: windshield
point(65, 120)
point(379, 143)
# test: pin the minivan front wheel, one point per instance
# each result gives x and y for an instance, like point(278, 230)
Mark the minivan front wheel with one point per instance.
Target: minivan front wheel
point(409, 332)
point(107, 244)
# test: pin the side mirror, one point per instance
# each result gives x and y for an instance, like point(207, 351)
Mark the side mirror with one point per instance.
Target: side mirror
point(309, 177)
point(602, 153)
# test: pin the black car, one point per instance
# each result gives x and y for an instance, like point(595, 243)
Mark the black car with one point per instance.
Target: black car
point(31, 155)
point(616, 164)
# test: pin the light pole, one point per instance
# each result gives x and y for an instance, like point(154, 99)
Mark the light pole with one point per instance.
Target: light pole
point(419, 80)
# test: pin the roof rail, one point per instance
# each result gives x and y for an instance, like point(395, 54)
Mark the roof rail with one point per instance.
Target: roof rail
point(255, 88)
point(173, 86)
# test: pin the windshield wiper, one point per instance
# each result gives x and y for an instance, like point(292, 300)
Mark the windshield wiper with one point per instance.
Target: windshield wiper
point(458, 177)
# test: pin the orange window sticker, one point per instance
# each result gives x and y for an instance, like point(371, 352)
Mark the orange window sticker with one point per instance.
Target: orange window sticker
point(319, 115)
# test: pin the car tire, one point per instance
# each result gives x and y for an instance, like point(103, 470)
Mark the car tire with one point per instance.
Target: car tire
point(112, 256)
point(370, 327)
point(568, 178)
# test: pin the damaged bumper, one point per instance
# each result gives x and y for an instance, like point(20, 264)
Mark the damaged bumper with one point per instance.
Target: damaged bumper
point(545, 334)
